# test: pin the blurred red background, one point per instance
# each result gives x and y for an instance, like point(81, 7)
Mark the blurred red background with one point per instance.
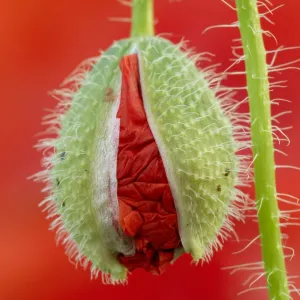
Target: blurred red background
point(41, 43)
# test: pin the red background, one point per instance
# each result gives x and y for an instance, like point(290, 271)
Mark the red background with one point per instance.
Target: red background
point(41, 43)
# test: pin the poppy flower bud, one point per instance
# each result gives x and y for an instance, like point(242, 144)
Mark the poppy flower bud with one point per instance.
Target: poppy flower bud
point(143, 165)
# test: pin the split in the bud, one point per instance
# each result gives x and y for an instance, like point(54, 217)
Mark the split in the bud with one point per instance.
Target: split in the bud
point(146, 207)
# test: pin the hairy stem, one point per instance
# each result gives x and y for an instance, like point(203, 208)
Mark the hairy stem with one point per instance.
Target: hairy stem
point(262, 147)
point(142, 18)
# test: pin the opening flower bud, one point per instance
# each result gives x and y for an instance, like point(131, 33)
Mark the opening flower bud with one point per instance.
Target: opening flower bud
point(144, 162)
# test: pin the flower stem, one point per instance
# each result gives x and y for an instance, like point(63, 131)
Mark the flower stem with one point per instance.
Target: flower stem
point(262, 148)
point(142, 18)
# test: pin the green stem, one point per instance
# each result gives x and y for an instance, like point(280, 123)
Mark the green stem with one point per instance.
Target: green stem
point(262, 148)
point(142, 18)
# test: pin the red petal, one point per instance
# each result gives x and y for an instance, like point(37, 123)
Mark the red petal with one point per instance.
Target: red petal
point(147, 211)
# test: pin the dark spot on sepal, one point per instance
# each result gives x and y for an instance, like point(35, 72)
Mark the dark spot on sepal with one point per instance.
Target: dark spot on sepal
point(219, 188)
point(62, 155)
point(227, 172)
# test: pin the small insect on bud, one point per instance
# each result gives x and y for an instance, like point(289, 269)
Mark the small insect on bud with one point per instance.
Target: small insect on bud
point(110, 96)
point(140, 167)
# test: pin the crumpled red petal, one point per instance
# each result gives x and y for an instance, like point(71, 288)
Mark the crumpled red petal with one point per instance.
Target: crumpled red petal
point(147, 211)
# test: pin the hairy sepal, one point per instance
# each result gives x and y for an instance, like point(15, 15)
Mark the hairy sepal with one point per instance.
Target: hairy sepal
point(195, 140)
point(80, 205)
